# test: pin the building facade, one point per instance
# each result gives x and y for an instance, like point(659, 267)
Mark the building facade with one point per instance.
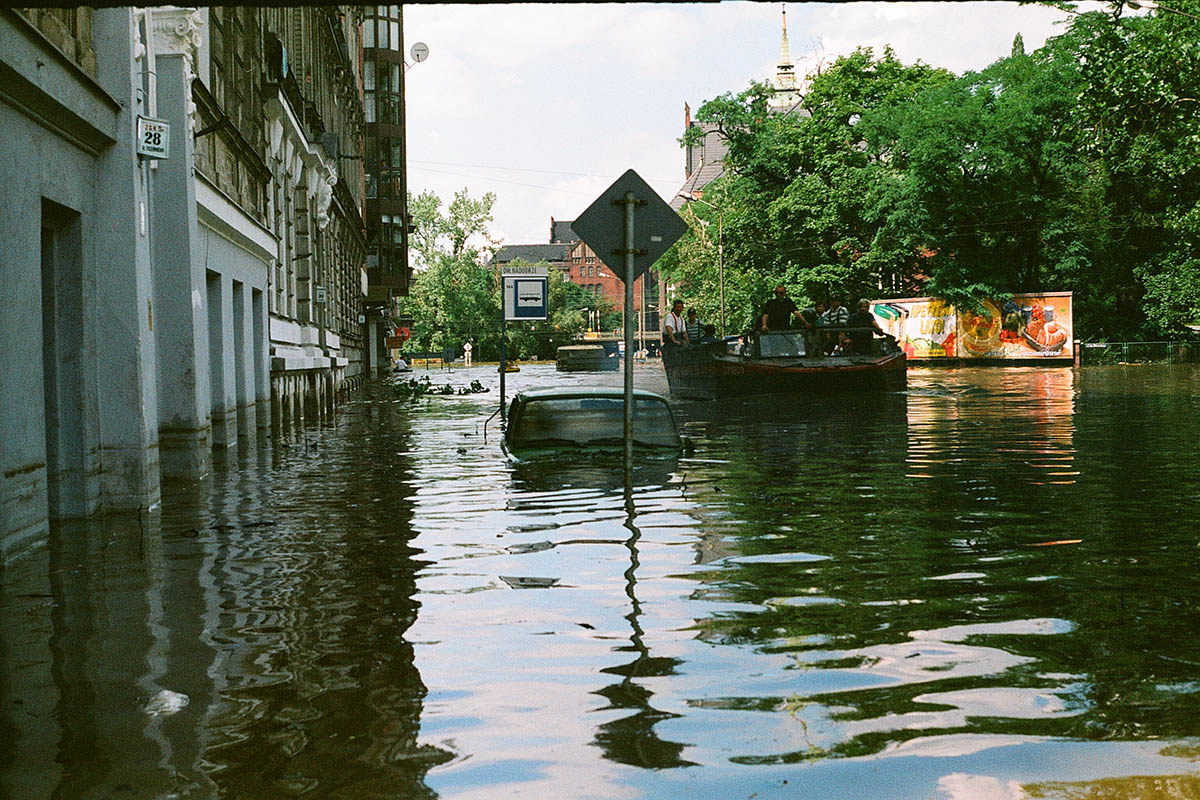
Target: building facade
point(588, 270)
point(387, 219)
point(179, 303)
point(278, 95)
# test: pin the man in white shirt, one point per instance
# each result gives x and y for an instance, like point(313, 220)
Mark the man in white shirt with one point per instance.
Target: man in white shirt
point(675, 327)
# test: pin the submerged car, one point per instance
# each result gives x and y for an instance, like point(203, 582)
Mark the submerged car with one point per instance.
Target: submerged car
point(588, 418)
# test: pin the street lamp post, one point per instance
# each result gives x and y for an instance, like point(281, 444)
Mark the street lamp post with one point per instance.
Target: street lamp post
point(1153, 6)
point(720, 250)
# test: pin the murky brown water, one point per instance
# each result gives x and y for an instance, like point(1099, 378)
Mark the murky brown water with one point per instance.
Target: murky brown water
point(984, 588)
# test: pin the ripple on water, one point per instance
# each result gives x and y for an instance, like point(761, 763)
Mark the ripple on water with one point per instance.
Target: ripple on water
point(852, 589)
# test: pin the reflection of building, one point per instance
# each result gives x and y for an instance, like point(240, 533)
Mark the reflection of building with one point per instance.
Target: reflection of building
point(387, 219)
point(175, 304)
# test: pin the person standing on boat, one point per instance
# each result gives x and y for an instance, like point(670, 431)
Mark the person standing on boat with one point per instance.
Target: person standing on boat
point(675, 329)
point(812, 319)
point(863, 319)
point(838, 316)
point(693, 326)
point(777, 313)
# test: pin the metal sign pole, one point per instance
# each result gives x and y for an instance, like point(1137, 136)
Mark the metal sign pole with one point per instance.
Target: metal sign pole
point(630, 202)
point(503, 326)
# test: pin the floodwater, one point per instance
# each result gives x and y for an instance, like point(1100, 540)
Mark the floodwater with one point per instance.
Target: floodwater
point(986, 587)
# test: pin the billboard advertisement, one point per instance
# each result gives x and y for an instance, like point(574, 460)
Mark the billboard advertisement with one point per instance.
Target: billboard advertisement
point(1024, 327)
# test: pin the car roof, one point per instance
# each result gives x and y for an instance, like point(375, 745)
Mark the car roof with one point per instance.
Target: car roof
point(561, 393)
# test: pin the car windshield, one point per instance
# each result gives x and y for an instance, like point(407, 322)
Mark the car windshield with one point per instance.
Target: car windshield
point(592, 420)
point(780, 345)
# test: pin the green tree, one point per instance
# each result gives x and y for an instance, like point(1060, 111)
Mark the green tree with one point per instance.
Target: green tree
point(795, 196)
point(982, 195)
point(1073, 167)
point(455, 298)
point(1138, 123)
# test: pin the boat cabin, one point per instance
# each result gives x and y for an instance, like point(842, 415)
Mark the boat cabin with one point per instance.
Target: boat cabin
point(587, 417)
point(779, 344)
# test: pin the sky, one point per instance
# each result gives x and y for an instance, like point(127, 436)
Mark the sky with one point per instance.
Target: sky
point(546, 105)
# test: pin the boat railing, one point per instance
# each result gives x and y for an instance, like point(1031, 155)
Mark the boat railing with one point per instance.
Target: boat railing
point(797, 342)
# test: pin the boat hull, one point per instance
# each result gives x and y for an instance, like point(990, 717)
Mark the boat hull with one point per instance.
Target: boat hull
point(707, 374)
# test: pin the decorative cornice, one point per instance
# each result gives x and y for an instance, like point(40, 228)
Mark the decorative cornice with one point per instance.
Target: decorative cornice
point(299, 159)
point(176, 32)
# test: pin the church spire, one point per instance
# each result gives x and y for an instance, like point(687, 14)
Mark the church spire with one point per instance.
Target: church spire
point(785, 52)
point(786, 94)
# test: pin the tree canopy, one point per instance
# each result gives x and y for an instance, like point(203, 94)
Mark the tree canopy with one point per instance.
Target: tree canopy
point(1075, 167)
point(455, 295)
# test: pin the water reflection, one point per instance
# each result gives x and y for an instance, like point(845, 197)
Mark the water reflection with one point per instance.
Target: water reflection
point(631, 740)
point(248, 641)
point(981, 587)
point(319, 686)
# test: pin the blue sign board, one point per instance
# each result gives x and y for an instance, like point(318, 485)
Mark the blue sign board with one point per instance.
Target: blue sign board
point(524, 297)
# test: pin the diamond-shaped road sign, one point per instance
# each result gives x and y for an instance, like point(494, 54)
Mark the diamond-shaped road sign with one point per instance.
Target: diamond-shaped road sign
point(656, 226)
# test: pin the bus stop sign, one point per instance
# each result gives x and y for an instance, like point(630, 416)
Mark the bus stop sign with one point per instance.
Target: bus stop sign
point(602, 225)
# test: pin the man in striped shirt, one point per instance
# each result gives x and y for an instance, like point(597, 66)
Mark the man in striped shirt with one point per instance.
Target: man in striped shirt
point(838, 316)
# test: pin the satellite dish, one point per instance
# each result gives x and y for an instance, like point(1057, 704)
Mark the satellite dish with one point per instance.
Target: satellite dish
point(419, 52)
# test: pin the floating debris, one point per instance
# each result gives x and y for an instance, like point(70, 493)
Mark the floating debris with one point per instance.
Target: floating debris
point(166, 703)
point(528, 583)
point(530, 547)
point(413, 388)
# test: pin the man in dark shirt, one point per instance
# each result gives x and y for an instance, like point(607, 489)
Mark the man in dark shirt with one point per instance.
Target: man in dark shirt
point(778, 312)
point(863, 318)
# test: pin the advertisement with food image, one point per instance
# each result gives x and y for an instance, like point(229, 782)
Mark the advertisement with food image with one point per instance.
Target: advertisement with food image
point(1022, 327)
point(980, 332)
point(1038, 326)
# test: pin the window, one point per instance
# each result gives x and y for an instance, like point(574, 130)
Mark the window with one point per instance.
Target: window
point(395, 35)
point(368, 38)
point(369, 73)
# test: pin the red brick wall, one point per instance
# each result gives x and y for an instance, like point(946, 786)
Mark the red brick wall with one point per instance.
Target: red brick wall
point(587, 270)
